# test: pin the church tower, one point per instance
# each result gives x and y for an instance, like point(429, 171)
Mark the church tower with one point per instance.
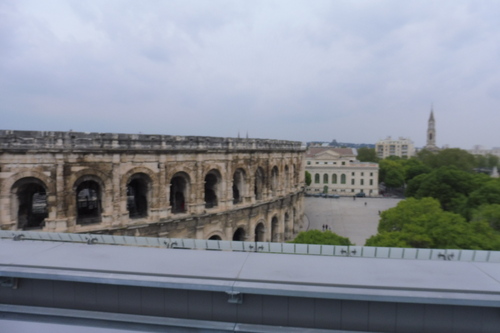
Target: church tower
point(431, 134)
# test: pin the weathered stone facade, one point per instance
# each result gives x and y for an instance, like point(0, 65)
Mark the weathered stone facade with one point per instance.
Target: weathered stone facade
point(151, 185)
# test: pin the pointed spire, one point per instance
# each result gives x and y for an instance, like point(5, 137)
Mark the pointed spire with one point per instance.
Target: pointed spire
point(431, 118)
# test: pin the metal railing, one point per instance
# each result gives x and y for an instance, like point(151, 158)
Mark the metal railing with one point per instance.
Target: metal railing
point(262, 247)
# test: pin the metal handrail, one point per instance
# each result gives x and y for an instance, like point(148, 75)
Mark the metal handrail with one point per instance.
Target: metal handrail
point(262, 247)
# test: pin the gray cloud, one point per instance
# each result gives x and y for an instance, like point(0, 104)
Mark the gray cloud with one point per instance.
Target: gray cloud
point(300, 70)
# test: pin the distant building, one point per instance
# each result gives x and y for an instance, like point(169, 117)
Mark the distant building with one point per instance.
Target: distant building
point(479, 150)
point(402, 147)
point(336, 171)
point(431, 134)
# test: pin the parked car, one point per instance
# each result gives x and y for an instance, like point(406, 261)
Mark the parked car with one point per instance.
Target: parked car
point(335, 196)
point(361, 194)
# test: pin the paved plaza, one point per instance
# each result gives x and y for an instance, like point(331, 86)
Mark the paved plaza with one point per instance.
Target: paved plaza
point(356, 219)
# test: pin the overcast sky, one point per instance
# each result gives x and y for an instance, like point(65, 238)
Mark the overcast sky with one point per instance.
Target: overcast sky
point(354, 71)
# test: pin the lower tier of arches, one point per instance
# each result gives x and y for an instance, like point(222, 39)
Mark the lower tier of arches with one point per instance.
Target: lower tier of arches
point(276, 221)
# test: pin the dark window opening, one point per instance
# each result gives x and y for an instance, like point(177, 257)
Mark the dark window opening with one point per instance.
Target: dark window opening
point(88, 202)
point(178, 191)
point(239, 235)
point(32, 205)
point(211, 190)
point(215, 237)
point(259, 232)
point(137, 202)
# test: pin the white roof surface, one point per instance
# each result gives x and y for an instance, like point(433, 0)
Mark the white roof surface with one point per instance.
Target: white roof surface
point(373, 279)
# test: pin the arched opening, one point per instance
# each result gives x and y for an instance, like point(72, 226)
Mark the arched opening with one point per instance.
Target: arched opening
point(259, 232)
point(274, 229)
point(274, 181)
point(342, 179)
point(137, 195)
point(316, 178)
point(215, 237)
point(334, 178)
point(31, 200)
point(211, 188)
point(325, 189)
point(88, 202)
point(178, 193)
point(259, 182)
point(325, 178)
point(238, 186)
point(239, 235)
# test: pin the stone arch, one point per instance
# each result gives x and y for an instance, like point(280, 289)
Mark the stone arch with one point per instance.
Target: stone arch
point(239, 234)
point(259, 183)
point(105, 185)
point(274, 229)
point(139, 194)
point(88, 194)
point(239, 185)
point(29, 203)
point(215, 235)
point(274, 184)
point(213, 188)
point(180, 185)
point(9, 182)
point(260, 232)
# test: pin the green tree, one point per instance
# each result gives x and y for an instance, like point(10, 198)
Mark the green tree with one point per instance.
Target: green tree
point(392, 172)
point(458, 158)
point(320, 237)
point(449, 185)
point(486, 161)
point(414, 167)
point(367, 155)
point(308, 178)
point(421, 223)
point(489, 214)
point(488, 193)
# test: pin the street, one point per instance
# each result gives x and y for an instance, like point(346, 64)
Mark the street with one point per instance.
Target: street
point(355, 219)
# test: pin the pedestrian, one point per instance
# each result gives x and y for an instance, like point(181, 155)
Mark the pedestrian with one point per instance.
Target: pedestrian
point(365, 203)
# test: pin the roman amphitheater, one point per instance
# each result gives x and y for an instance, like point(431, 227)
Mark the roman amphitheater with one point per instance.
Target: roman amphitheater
point(151, 185)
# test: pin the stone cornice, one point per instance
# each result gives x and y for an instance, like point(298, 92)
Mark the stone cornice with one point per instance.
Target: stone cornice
point(21, 141)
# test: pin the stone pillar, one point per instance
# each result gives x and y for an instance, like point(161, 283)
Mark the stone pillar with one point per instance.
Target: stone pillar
point(197, 199)
point(162, 190)
point(118, 213)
